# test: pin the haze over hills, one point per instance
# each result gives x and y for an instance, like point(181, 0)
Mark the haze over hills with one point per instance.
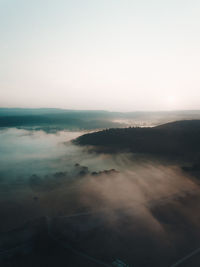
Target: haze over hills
point(56, 119)
point(49, 119)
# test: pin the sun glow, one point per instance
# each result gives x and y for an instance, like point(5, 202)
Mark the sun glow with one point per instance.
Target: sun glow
point(172, 102)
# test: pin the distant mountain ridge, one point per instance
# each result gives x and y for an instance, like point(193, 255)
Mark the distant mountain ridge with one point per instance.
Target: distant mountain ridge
point(53, 119)
point(43, 111)
point(48, 119)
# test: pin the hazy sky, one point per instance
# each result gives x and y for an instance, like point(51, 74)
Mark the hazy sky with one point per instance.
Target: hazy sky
point(100, 54)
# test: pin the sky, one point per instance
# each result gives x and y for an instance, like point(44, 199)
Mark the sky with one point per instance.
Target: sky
point(119, 55)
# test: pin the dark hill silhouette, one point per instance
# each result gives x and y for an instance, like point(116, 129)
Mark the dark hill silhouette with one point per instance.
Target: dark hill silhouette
point(189, 125)
point(177, 138)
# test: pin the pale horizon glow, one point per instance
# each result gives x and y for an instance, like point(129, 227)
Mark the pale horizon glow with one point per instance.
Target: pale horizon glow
point(117, 55)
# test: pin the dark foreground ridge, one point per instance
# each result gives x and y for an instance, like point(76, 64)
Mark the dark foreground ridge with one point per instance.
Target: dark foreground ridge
point(89, 239)
point(180, 138)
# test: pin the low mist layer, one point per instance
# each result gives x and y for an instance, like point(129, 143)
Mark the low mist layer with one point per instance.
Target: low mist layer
point(119, 202)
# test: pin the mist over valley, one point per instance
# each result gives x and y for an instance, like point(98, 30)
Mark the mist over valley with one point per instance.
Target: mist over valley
point(98, 206)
